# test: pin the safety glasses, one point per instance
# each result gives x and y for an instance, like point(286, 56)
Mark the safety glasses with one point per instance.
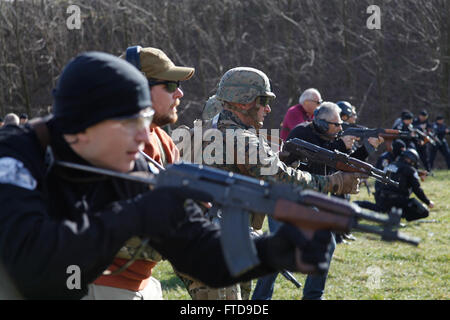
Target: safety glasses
point(317, 102)
point(264, 100)
point(138, 121)
point(171, 86)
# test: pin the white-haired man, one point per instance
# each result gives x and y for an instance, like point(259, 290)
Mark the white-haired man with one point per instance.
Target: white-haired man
point(309, 100)
point(11, 119)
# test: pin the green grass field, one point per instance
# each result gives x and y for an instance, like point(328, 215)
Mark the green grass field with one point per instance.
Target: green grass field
point(370, 269)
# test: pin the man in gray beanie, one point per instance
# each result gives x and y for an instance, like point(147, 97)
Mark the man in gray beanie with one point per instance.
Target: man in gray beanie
point(60, 228)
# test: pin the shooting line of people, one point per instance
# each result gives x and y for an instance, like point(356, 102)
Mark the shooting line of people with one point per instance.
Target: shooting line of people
point(99, 184)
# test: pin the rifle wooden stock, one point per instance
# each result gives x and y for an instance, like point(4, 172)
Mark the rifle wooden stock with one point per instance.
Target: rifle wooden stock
point(392, 134)
point(367, 167)
point(423, 137)
point(386, 134)
point(423, 174)
point(342, 166)
point(310, 219)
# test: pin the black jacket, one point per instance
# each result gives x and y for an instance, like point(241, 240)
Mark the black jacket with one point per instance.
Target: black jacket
point(439, 130)
point(382, 162)
point(408, 179)
point(307, 132)
point(423, 126)
point(409, 142)
point(52, 220)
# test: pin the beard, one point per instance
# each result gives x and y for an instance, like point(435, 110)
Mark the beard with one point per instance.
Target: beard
point(167, 118)
point(162, 120)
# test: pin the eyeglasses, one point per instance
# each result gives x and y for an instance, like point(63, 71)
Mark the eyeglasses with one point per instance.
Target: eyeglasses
point(317, 102)
point(171, 86)
point(264, 100)
point(137, 121)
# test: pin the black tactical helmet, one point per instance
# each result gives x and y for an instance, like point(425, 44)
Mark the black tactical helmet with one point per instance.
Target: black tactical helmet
point(407, 115)
point(346, 108)
point(397, 147)
point(412, 155)
point(424, 113)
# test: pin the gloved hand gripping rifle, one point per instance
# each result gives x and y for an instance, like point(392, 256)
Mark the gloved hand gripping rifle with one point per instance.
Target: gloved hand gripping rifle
point(237, 195)
point(309, 152)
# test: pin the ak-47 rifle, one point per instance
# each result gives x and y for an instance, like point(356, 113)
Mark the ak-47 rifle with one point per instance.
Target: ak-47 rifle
point(365, 133)
point(309, 152)
point(422, 137)
point(237, 195)
point(286, 274)
point(436, 139)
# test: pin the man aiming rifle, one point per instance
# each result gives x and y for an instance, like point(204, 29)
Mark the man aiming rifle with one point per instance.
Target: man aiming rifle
point(364, 133)
point(305, 151)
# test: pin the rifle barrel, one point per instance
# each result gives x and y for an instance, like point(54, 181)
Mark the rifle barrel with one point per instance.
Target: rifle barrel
point(389, 235)
point(106, 172)
point(290, 277)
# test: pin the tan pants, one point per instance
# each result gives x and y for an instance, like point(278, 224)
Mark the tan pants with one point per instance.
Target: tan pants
point(206, 293)
point(152, 291)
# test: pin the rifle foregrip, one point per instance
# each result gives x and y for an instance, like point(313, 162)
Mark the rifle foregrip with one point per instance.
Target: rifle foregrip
point(346, 167)
point(391, 136)
point(309, 219)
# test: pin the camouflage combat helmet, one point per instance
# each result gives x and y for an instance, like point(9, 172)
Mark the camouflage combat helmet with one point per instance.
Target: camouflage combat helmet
point(212, 107)
point(243, 85)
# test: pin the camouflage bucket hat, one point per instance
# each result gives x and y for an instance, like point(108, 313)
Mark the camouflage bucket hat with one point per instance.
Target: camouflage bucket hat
point(243, 85)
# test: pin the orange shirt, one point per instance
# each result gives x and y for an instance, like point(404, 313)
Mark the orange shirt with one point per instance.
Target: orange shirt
point(136, 276)
point(159, 138)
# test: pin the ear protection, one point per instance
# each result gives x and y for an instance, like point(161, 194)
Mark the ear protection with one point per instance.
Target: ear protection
point(320, 124)
point(132, 56)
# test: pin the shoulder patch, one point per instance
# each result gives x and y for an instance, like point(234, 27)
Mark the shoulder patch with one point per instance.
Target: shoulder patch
point(12, 171)
point(385, 163)
point(391, 168)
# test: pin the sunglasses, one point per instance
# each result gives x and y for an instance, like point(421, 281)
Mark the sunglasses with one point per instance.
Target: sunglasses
point(171, 86)
point(337, 124)
point(264, 100)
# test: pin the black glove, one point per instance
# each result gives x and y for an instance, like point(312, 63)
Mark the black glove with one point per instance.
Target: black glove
point(289, 249)
point(164, 210)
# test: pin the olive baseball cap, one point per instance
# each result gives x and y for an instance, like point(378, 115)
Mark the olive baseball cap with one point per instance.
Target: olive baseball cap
point(155, 64)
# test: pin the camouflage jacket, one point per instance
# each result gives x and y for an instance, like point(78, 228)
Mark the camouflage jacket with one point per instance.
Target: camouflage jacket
point(249, 153)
